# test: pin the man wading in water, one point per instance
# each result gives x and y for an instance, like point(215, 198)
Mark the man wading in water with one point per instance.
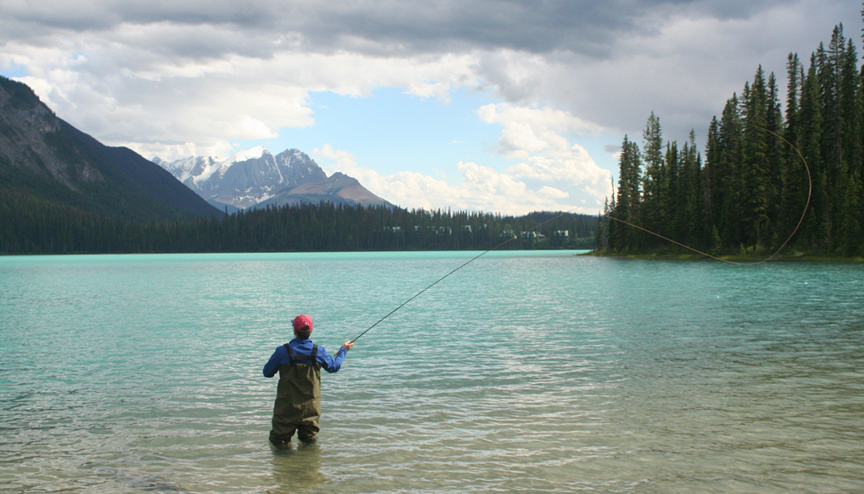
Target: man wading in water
point(298, 399)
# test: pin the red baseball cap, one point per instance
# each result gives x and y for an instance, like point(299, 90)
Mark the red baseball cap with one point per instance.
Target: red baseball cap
point(302, 322)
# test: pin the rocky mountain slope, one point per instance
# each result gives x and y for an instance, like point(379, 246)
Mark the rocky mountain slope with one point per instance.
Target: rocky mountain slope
point(45, 159)
point(256, 178)
point(338, 189)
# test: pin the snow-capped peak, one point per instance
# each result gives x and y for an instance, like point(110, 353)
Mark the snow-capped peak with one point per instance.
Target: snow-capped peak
point(246, 177)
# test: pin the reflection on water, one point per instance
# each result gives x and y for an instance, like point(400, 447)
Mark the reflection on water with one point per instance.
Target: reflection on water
point(297, 468)
point(523, 373)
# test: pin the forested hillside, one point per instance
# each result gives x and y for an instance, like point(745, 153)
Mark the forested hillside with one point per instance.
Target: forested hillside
point(53, 229)
point(749, 193)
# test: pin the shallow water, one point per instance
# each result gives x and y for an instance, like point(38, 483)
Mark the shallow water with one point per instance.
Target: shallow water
point(522, 372)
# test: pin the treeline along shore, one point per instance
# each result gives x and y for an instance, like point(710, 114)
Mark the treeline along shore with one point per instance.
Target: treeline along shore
point(748, 195)
point(42, 227)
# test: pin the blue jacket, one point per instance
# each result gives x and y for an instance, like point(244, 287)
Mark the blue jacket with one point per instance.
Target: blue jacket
point(303, 348)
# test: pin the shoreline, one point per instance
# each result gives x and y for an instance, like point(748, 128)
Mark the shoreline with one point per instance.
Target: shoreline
point(735, 258)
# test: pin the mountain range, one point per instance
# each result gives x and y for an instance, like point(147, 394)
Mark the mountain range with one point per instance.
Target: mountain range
point(255, 178)
point(49, 165)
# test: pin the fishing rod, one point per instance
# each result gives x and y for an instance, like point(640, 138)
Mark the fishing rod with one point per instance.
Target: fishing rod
point(797, 227)
point(439, 280)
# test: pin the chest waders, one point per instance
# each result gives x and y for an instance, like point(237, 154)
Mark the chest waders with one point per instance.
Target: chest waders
point(298, 399)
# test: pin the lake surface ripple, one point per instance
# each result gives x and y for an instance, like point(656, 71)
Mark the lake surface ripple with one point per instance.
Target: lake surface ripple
point(522, 372)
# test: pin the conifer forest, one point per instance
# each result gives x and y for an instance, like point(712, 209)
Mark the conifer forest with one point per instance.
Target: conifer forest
point(42, 227)
point(748, 193)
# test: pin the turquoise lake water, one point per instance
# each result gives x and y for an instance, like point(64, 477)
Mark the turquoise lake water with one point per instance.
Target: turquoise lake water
point(523, 372)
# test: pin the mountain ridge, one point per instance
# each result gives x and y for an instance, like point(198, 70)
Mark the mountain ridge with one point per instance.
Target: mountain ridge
point(255, 178)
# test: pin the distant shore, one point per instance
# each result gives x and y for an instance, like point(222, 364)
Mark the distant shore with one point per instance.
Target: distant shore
point(734, 258)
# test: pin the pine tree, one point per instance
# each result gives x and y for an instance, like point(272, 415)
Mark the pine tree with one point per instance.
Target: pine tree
point(628, 200)
point(672, 202)
point(653, 180)
point(816, 228)
point(755, 168)
point(691, 183)
point(775, 154)
point(794, 174)
point(713, 192)
point(727, 175)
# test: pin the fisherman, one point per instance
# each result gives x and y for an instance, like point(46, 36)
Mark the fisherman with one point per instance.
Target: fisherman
point(298, 398)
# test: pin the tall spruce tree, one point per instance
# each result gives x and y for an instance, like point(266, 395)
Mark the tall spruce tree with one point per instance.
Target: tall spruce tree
point(793, 175)
point(755, 168)
point(775, 154)
point(712, 179)
point(816, 228)
point(627, 205)
point(651, 213)
point(672, 202)
point(727, 174)
point(693, 201)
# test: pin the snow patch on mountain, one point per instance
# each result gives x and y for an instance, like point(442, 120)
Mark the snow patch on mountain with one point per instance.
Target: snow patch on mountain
point(245, 178)
point(256, 178)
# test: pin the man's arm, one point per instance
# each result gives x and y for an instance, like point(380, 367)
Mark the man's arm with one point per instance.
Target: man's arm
point(275, 361)
point(334, 363)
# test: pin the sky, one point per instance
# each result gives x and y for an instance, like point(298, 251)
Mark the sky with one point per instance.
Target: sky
point(489, 105)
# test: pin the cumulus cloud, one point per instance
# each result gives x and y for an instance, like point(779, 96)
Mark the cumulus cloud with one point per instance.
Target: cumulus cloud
point(551, 175)
point(162, 105)
point(481, 189)
point(537, 137)
point(342, 160)
point(191, 76)
point(530, 130)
